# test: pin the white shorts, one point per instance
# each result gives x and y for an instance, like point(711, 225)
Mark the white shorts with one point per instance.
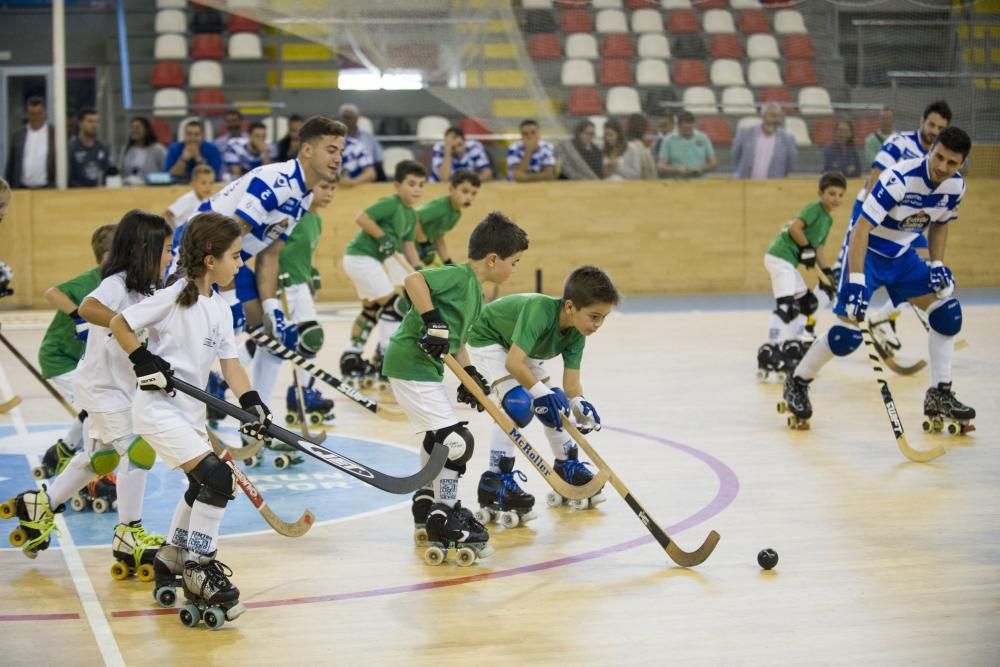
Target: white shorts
point(785, 278)
point(301, 307)
point(426, 404)
point(371, 279)
point(397, 274)
point(109, 426)
point(64, 384)
point(179, 445)
point(491, 362)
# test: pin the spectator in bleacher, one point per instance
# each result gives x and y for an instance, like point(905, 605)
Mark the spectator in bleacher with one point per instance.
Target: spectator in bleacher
point(874, 141)
point(766, 150)
point(664, 128)
point(531, 159)
point(686, 153)
point(88, 159)
point(184, 156)
point(580, 157)
point(456, 152)
point(288, 147)
point(841, 155)
point(248, 153)
point(622, 161)
point(356, 164)
point(635, 133)
point(142, 154)
point(232, 121)
point(31, 156)
point(349, 115)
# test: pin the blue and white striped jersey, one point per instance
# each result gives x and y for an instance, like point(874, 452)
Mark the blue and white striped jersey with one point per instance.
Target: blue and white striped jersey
point(544, 156)
point(237, 154)
point(898, 147)
point(356, 158)
point(474, 159)
point(904, 202)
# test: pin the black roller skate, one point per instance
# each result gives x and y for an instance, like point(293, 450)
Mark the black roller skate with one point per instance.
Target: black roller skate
point(454, 529)
point(421, 507)
point(501, 499)
point(796, 401)
point(37, 520)
point(134, 550)
point(792, 352)
point(944, 412)
point(378, 380)
point(210, 595)
point(216, 387)
point(573, 471)
point(771, 363)
point(54, 461)
point(318, 410)
point(101, 495)
point(168, 571)
point(354, 369)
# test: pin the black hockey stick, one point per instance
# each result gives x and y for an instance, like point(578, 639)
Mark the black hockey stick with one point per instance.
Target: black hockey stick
point(360, 471)
point(38, 376)
point(275, 346)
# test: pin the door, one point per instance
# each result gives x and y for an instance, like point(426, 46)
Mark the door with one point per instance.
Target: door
point(17, 85)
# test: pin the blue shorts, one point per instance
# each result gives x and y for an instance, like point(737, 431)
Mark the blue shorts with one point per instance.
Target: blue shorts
point(904, 277)
point(246, 285)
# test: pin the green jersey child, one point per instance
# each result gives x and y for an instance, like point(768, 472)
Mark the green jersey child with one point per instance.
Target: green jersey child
point(510, 343)
point(800, 241)
point(439, 216)
point(446, 302)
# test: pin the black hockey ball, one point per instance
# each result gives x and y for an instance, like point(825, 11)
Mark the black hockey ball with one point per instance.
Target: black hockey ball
point(767, 558)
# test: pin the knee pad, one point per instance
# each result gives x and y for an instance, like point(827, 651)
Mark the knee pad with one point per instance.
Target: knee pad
point(946, 318)
point(517, 404)
point(218, 486)
point(843, 340)
point(104, 461)
point(390, 311)
point(310, 338)
point(808, 304)
point(141, 454)
point(787, 309)
point(194, 486)
point(459, 442)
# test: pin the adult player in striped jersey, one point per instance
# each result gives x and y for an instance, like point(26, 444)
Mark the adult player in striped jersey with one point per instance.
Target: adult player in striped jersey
point(357, 165)
point(910, 197)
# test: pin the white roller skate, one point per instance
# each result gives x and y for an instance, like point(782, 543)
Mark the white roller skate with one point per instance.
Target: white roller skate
point(454, 531)
point(168, 571)
point(134, 551)
point(210, 595)
point(37, 521)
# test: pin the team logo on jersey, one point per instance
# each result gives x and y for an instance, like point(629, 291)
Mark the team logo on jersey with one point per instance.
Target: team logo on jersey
point(915, 222)
point(280, 182)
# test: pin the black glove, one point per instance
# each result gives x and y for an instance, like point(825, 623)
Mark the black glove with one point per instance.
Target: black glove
point(466, 396)
point(153, 372)
point(435, 341)
point(448, 262)
point(830, 287)
point(807, 255)
point(257, 429)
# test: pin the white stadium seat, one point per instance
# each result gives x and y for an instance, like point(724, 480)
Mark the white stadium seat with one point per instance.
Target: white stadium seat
point(205, 74)
point(536, 4)
point(762, 46)
point(726, 72)
point(737, 100)
point(275, 128)
point(763, 73)
point(718, 22)
point(598, 122)
point(700, 100)
point(171, 4)
point(610, 21)
point(815, 101)
point(798, 129)
point(647, 21)
point(245, 46)
point(393, 155)
point(431, 129)
point(577, 73)
point(744, 4)
point(789, 22)
point(170, 20)
point(654, 46)
point(581, 45)
point(606, 4)
point(365, 123)
point(170, 102)
point(675, 4)
point(622, 100)
point(748, 121)
point(170, 47)
point(651, 72)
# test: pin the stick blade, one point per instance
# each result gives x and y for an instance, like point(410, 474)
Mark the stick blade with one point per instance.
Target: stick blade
point(296, 528)
point(696, 557)
point(10, 405)
point(390, 413)
point(919, 455)
point(899, 369)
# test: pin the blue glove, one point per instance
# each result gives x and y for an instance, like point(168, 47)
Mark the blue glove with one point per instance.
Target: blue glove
point(585, 415)
point(547, 404)
point(854, 296)
point(941, 280)
point(276, 326)
point(82, 326)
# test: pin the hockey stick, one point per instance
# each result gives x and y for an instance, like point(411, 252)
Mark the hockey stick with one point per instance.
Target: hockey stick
point(558, 484)
point(959, 344)
point(297, 528)
point(7, 406)
point(275, 346)
point(301, 408)
point(238, 453)
point(360, 471)
point(38, 376)
point(920, 456)
point(678, 555)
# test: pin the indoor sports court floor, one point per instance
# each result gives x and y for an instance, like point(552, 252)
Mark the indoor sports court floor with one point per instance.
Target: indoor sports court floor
point(882, 561)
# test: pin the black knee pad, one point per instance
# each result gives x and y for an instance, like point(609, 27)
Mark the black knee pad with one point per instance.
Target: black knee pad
point(390, 311)
point(82, 416)
point(194, 486)
point(459, 442)
point(218, 486)
point(808, 304)
point(787, 309)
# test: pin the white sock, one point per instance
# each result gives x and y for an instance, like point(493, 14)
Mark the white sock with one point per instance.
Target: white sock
point(940, 349)
point(500, 446)
point(774, 328)
point(446, 487)
point(203, 528)
point(795, 328)
point(818, 355)
point(559, 441)
point(178, 534)
point(74, 436)
point(77, 474)
point(266, 367)
point(821, 298)
point(881, 313)
point(131, 489)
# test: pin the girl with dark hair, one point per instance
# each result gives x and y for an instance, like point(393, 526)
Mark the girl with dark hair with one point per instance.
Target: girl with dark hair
point(142, 154)
point(581, 157)
point(621, 160)
point(841, 155)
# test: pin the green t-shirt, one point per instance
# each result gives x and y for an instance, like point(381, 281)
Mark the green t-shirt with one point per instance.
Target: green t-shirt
point(395, 218)
point(818, 223)
point(873, 144)
point(531, 321)
point(60, 351)
point(438, 217)
point(296, 256)
point(692, 152)
point(458, 297)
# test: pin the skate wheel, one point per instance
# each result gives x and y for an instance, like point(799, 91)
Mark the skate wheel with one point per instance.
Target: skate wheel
point(580, 504)
point(291, 419)
point(483, 515)
point(214, 618)
point(39, 472)
point(597, 499)
point(782, 407)
point(165, 596)
point(508, 520)
point(252, 462)
point(761, 374)
point(953, 428)
point(18, 537)
point(7, 510)
point(189, 615)
point(927, 426)
point(420, 537)
point(78, 503)
point(465, 557)
point(282, 461)
point(315, 418)
point(101, 505)
point(434, 556)
point(119, 571)
point(553, 499)
point(780, 377)
point(938, 424)
point(144, 573)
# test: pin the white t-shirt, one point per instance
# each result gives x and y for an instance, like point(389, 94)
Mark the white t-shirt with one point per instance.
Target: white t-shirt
point(185, 205)
point(34, 162)
point(190, 340)
point(104, 380)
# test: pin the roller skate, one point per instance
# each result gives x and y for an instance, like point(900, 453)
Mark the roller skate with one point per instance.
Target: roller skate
point(210, 595)
point(796, 402)
point(354, 369)
point(944, 412)
point(100, 495)
point(884, 335)
point(285, 455)
point(37, 520)
point(770, 363)
point(54, 461)
point(134, 550)
point(379, 381)
point(168, 570)
point(792, 352)
point(318, 410)
point(216, 387)
point(573, 471)
point(454, 529)
point(421, 507)
point(256, 459)
point(501, 499)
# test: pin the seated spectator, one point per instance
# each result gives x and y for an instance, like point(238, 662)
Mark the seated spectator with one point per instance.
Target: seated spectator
point(580, 157)
point(841, 155)
point(765, 150)
point(89, 159)
point(456, 152)
point(621, 159)
point(232, 121)
point(142, 154)
point(349, 114)
point(356, 164)
point(202, 182)
point(184, 156)
point(288, 147)
point(243, 155)
point(531, 159)
point(687, 153)
point(874, 141)
point(664, 127)
point(635, 133)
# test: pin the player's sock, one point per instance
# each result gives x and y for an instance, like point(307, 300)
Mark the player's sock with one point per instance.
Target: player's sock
point(940, 348)
point(304, 377)
point(819, 353)
point(795, 328)
point(74, 436)
point(203, 528)
point(500, 447)
point(178, 534)
point(822, 299)
point(266, 367)
point(559, 441)
point(775, 327)
point(131, 484)
point(882, 312)
point(446, 487)
point(76, 475)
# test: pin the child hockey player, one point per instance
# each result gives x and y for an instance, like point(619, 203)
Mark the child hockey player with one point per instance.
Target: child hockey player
point(439, 216)
point(202, 182)
point(446, 301)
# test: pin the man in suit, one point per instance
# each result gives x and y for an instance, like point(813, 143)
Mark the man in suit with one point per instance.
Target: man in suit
point(31, 161)
point(765, 150)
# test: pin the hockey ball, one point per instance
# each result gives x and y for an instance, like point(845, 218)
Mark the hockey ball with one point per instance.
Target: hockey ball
point(767, 558)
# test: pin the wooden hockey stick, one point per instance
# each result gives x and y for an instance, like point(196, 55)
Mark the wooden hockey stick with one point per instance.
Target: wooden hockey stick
point(7, 406)
point(678, 555)
point(301, 409)
point(357, 470)
point(38, 376)
point(238, 453)
point(558, 484)
point(920, 456)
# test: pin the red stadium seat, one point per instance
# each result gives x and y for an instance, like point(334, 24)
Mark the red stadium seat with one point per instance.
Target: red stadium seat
point(617, 46)
point(689, 72)
point(641, 4)
point(718, 129)
point(616, 73)
point(239, 23)
point(798, 46)
point(167, 75)
point(211, 100)
point(545, 47)
point(208, 47)
point(727, 46)
point(682, 21)
point(779, 95)
point(585, 102)
point(471, 125)
point(164, 133)
point(823, 130)
point(863, 127)
point(705, 5)
point(800, 73)
point(576, 20)
point(753, 21)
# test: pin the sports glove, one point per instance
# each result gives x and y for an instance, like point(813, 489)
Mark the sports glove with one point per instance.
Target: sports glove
point(585, 414)
point(942, 281)
point(315, 282)
point(6, 278)
point(854, 296)
point(82, 325)
point(257, 428)
point(830, 289)
point(547, 406)
point(435, 341)
point(386, 245)
point(807, 255)
point(153, 372)
point(465, 396)
point(276, 326)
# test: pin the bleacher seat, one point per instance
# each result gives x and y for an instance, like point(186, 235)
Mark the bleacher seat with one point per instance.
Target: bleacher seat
point(682, 21)
point(207, 47)
point(762, 46)
point(718, 22)
point(789, 22)
point(170, 20)
point(744, 4)
point(636, 5)
point(815, 101)
point(167, 75)
point(737, 101)
point(700, 100)
point(798, 46)
point(581, 45)
point(207, 131)
point(622, 100)
point(584, 102)
point(170, 102)
point(800, 73)
point(599, 122)
point(675, 4)
point(574, 20)
point(823, 131)
point(865, 126)
point(277, 127)
point(240, 23)
point(539, 20)
point(536, 4)
point(689, 46)
point(763, 73)
point(652, 72)
point(689, 72)
point(393, 155)
point(726, 72)
point(616, 72)
point(170, 47)
point(646, 21)
point(718, 130)
point(161, 128)
point(245, 46)
point(748, 121)
point(242, 4)
point(545, 46)
point(726, 46)
point(617, 46)
point(364, 123)
point(206, 20)
point(210, 100)
point(654, 46)
point(798, 129)
point(205, 74)
point(777, 94)
point(705, 5)
point(656, 102)
point(606, 4)
point(431, 129)
point(754, 21)
point(610, 21)
point(171, 4)
point(577, 73)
